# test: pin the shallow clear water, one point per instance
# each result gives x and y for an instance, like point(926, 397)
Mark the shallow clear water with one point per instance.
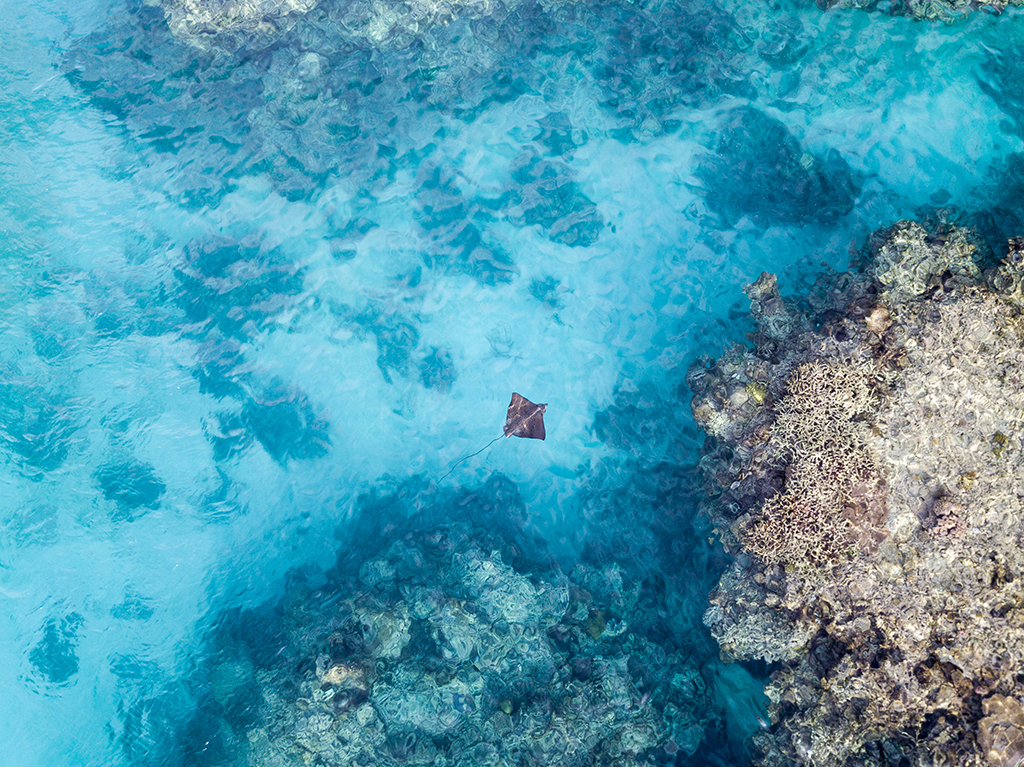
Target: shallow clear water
point(247, 299)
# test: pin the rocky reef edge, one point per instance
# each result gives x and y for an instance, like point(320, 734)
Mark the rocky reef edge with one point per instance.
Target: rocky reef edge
point(947, 11)
point(864, 465)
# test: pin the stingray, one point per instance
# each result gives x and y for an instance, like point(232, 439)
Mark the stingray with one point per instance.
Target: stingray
point(524, 419)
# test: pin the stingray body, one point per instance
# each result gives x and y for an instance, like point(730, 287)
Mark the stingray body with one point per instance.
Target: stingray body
point(524, 419)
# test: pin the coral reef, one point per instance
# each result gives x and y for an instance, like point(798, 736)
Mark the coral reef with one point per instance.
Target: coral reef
point(232, 23)
point(864, 464)
point(930, 10)
point(449, 644)
point(303, 99)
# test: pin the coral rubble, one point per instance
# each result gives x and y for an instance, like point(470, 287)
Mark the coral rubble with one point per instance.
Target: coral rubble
point(864, 462)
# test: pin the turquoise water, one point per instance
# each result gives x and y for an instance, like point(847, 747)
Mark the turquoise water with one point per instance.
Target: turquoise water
point(257, 303)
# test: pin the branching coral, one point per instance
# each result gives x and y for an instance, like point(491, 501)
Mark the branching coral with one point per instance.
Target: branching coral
point(806, 526)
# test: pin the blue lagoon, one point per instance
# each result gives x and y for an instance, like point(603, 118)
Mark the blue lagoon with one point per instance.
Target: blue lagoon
point(270, 269)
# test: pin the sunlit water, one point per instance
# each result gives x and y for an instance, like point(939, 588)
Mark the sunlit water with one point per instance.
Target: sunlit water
point(246, 297)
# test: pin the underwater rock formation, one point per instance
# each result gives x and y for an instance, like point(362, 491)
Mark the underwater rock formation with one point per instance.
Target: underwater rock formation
point(230, 90)
point(931, 10)
point(232, 23)
point(864, 462)
point(760, 170)
point(256, 24)
point(449, 644)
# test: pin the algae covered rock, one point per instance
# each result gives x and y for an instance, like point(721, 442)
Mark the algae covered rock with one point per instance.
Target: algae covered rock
point(873, 498)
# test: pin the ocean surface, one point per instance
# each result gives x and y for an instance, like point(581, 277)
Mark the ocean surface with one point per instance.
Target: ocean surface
point(258, 298)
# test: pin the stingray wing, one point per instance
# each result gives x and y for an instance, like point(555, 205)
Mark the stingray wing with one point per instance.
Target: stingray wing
point(524, 419)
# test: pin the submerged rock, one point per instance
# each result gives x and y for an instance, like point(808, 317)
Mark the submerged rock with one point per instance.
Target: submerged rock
point(872, 493)
point(760, 170)
point(54, 658)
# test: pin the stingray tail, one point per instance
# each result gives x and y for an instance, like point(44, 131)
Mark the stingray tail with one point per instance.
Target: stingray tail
point(466, 458)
